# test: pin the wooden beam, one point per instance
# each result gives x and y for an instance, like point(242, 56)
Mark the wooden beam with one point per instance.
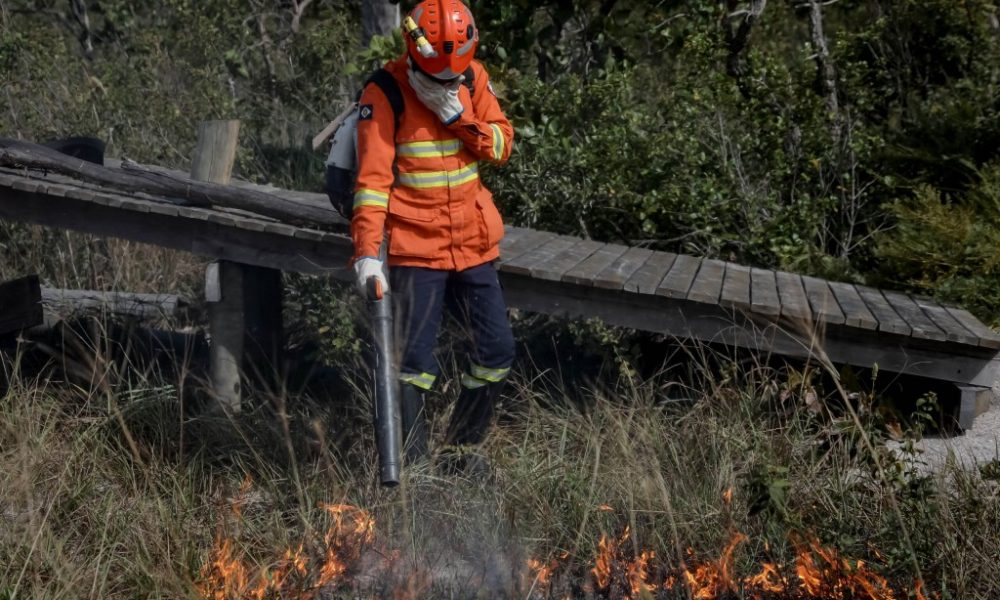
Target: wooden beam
point(274, 247)
point(65, 303)
point(717, 325)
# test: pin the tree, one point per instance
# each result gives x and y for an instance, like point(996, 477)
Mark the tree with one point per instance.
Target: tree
point(378, 17)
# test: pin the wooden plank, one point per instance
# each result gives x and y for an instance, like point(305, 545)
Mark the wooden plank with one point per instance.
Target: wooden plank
point(163, 209)
point(511, 235)
point(680, 277)
point(56, 189)
point(275, 228)
point(302, 234)
point(707, 284)
point(200, 237)
point(987, 337)
point(764, 298)
point(25, 185)
point(255, 225)
point(531, 240)
point(856, 313)
point(20, 304)
point(954, 331)
point(553, 270)
point(794, 302)
point(585, 272)
point(536, 259)
point(648, 277)
point(126, 203)
point(706, 323)
point(736, 287)
point(228, 221)
point(618, 272)
point(919, 322)
point(888, 319)
point(822, 301)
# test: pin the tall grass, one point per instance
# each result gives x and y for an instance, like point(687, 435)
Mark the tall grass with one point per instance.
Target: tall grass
point(116, 492)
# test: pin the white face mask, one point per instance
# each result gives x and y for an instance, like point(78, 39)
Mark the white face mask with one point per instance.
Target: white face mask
point(444, 77)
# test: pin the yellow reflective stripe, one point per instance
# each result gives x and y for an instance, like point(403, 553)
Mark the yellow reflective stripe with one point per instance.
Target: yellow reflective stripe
point(424, 381)
point(432, 149)
point(471, 383)
point(435, 179)
point(498, 142)
point(490, 375)
point(371, 198)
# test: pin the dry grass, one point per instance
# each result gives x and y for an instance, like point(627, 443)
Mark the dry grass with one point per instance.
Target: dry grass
point(77, 261)
point(116, 493)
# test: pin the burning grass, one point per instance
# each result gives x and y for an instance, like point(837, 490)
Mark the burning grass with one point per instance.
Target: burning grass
point(349, 552)
point(742, 494)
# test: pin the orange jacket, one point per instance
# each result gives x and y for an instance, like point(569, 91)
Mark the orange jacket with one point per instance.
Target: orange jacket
point(421, 184)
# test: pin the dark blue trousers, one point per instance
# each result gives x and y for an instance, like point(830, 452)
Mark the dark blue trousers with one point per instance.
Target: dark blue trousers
point(474, 298)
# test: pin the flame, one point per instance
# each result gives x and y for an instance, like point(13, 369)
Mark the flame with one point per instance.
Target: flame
point(602, 564)
point(334, 557)
point(638, 573)
point(768, 580)
point(299, 572)
point(714, 579)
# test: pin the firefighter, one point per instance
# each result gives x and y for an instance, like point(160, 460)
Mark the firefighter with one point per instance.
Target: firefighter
point(418, 183)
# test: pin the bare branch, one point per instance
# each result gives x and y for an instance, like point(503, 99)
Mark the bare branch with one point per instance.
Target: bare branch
point(85, 36)
point(298, 9)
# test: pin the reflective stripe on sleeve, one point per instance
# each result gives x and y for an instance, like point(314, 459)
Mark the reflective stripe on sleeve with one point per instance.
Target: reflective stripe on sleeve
point(438, 179)
point(424, 381)
point(432, 149)
point(499, 142)
point(371, 198)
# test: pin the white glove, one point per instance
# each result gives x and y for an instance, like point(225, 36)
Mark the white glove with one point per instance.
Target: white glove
point(441, 98)
point(366, 268)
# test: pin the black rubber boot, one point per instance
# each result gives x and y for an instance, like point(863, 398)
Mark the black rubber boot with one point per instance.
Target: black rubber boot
point(411, 400)
point(470, 422)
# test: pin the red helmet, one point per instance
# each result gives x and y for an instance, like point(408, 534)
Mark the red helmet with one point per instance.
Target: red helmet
point(441, 37)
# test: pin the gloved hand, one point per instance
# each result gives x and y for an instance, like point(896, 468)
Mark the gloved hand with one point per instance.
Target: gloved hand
point(364, 269)
point(442, 99)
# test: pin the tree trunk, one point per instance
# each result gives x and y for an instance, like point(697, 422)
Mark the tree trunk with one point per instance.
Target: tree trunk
point(378, 17)
point(826, 73)
point(738, 37)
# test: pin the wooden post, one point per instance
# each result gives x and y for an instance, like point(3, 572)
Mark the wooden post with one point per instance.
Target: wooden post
point(213, 162)
point(974, 401)
point(216, 151)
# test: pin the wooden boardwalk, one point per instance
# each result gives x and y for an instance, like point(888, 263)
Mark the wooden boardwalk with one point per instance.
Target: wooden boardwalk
point(681, 296)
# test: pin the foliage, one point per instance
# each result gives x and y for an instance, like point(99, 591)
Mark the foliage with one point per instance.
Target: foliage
point(949, 248)
point(644, 123)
